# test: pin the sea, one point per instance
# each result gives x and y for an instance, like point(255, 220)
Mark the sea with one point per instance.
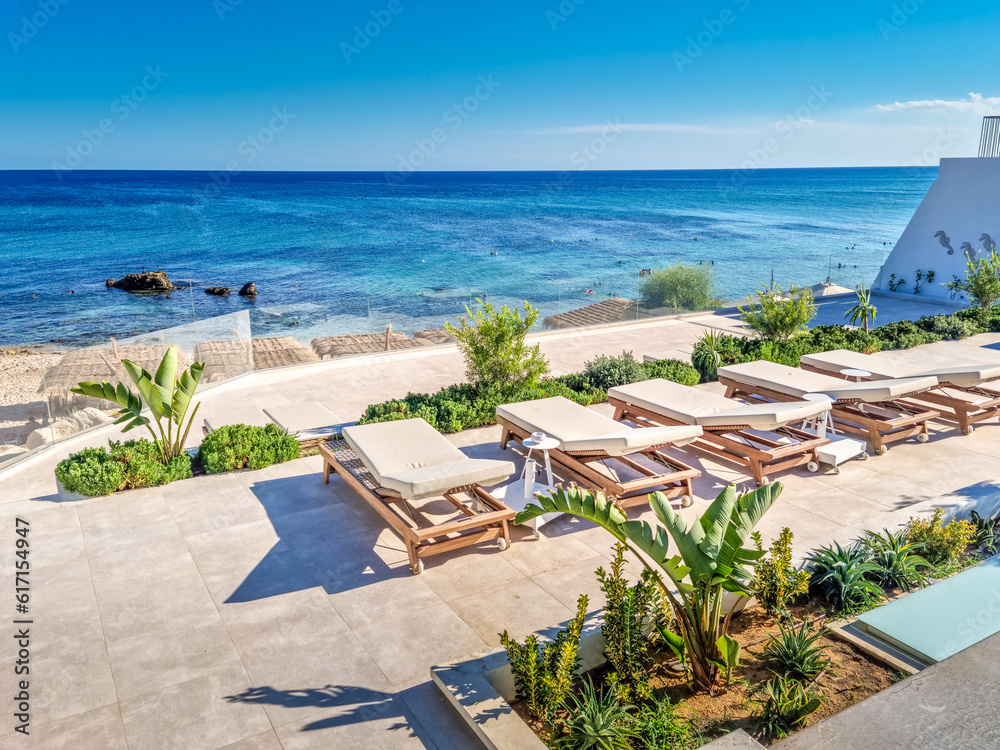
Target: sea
point(338, 252)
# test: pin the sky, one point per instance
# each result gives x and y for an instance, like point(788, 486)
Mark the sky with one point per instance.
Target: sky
point(403, 85)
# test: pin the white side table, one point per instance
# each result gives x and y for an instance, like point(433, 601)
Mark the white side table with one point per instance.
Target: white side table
point(539, 441)
point(858, 375)
point(839, 448)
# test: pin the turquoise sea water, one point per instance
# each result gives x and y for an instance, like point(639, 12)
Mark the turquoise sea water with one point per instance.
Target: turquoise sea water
point(336, 252)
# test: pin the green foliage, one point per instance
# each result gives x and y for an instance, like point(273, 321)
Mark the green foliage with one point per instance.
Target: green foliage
point(122, 466)
point(710, 558)
point(626, 646)
point(713, 350)
point(949, 326)
point(672, 369)
point(893, 283)
point(778, 315)
point(680, 287)
point(782, 706)
point(544, 675)
point(497, 359)
point(658, 727)
point(776, 582)
point(896, 560)
point(796, 652)
point(597, 721)
point(940, 543)
point(607, 372)
point(239, 446)
point(982, 281)
point(985, 540)
point(863, 309)
point(841, 576)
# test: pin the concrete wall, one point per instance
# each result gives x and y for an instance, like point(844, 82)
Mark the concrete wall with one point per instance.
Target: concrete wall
point(964, 204)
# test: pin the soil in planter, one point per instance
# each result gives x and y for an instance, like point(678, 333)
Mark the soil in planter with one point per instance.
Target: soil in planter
point(852, 677)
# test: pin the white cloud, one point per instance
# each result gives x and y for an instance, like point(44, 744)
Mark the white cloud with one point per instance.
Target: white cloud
point(975, 104)
point(638, 127)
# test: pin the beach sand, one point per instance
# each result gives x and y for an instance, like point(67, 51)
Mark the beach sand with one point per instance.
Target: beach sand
point(21, 372)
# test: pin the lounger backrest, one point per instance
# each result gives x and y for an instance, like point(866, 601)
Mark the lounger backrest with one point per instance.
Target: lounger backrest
point(880, 368)
point(791, 381)
point(389, 447)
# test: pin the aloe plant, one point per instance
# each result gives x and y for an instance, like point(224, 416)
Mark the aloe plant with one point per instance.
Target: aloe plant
point(711, 559)
point(166, 394)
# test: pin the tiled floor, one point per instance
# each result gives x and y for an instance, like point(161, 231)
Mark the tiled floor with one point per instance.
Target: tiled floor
point(267, 610)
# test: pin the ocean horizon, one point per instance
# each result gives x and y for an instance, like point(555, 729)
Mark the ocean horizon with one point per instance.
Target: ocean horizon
point(352, 252)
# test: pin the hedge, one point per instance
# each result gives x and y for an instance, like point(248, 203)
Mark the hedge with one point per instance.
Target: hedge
point(241, 446)
point(120, 466)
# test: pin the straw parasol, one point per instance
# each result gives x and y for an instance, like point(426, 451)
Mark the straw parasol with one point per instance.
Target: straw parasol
point(224, 359)
point(433, 336)
point(280, 351)
point(611, 310)
point(332, 347)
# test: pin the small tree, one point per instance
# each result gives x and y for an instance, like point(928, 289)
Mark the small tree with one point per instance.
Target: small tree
point(982, 281)
point(863, 309)
point(779, 315)
point(681, 286)
point(496, 357)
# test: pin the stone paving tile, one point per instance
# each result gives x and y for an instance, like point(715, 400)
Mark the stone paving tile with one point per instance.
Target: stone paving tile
point(200, 714)
point(438, 719)
point(384, 723)
point(368, 601)
point(520, 608)
point(467, 571)
point(213, 502)
point(838, 505)
point(99, 728)
point(266, 741)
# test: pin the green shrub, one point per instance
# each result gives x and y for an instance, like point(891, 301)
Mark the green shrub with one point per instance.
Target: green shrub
point(626, 646)
point(497, 359)
point(713, 350)
point(841, 576)
point(865, 342)
point(782, 706)
point(982, 281)
point(896, 560)
point(658, 727)
point(596, 721)
point(827, 337)
point(796, 652)
point(949, 326)
point(607, 372)
point(672, 369)
point(241, 446)
point(940, 543)
point(774, 314)
point(986, 530)
point(680, 287)
point(121, 466)
point(543, 676)
point(776, 583)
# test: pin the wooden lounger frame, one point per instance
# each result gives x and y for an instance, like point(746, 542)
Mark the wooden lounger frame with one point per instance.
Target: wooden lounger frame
point(675, 483)
point(421, 541)
point(966, 414)
point(763, 455)
point(881, 422)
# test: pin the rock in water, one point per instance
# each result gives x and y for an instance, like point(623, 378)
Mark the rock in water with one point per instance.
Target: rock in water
point(109, 283)
point(218, 291)
point(151, 281)
point(248, 290)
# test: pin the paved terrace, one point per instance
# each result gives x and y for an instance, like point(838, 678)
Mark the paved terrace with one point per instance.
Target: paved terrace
point(266, 610)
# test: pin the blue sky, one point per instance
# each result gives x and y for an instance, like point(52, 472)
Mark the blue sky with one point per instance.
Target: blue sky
point(202, 84)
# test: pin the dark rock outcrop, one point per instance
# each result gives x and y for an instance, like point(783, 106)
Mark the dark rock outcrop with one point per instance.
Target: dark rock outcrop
point(151, 281)
point(249, 290)
point(218, 291)
point(109, 283)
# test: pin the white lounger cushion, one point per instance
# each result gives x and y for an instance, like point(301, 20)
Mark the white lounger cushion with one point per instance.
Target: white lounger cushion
point(791, 381)
point(694, 406)
point(884, 366)
point(417, 461)
point(582, 430)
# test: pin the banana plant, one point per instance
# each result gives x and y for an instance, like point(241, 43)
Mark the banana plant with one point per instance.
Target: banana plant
point(711, 559)
point(166, 394)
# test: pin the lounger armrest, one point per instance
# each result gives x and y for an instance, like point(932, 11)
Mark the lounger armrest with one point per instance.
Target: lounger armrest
point(632, 440)
point(768, 416)
point(881, 390)
point(432, 481)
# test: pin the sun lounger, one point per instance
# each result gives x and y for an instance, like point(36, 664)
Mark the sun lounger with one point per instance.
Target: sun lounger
point(393, 465)
point(962, 394)
point(587, 438)
point(759, 436)
point(879, 410)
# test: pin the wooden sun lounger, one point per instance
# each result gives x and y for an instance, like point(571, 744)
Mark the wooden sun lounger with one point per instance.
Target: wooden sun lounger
point(881, 412)
point(485, 518)
point(962, 396)
point(760, 437)
point(568, 422)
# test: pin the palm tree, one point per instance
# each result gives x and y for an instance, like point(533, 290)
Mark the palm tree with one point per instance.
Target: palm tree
point(710, 560)
point(863, 309)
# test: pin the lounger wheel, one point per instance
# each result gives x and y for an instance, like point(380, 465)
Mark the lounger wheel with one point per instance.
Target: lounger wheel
point(813, 466)
point(502, 543)
point(686, 501)
point(418, 568)
point(864, 456)
point(922, 437)
point(882, 450)
point(836, 469)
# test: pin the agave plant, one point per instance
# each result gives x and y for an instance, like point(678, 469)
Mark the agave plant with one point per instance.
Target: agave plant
point(895, 559)
point(986, 533)
point(166, 394)
point(840, 575)
point(597, 721)
point(783, 705)
point(711, 559)
point(796, 652)
point(863, 309)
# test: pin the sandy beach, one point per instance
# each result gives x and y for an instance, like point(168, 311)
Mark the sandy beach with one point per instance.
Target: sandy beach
point(21, 371)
